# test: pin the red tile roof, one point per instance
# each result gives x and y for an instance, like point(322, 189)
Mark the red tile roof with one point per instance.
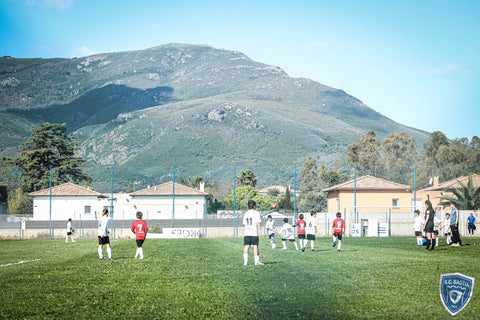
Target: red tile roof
point(166, 189)
point(454, 183)
point(66, 189)
point(368, 183)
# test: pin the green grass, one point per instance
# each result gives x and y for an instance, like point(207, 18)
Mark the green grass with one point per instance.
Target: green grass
point(372, 278)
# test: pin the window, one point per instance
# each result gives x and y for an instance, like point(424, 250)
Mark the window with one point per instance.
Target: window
point(88, 209)
point(394, 202)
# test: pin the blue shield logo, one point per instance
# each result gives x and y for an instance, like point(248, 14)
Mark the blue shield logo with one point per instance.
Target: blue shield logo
point(455, 291)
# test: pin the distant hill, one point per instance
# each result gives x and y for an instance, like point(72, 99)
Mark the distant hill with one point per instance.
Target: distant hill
point(195, 107)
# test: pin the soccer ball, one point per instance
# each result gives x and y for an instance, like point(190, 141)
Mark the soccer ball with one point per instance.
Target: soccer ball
point(274, 206)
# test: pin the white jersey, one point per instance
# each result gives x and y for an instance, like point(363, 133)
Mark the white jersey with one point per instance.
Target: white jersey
point(288, 233)
point(446, 225)
point(250, 221)
point(436, 223)
point(418, 223)
point(103, 226)
point(270, 225)
point(311, 226)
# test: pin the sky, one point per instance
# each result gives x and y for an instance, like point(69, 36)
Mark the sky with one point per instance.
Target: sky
point(416, 62)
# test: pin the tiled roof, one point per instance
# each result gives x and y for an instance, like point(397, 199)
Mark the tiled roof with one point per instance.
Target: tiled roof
point(166, 189)
point(454, 183)
point(66, 189)
point(368, 183)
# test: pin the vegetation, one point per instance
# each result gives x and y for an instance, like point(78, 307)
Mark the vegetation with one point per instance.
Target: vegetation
point(467, 196)
point(372, 278)
point(247, 178)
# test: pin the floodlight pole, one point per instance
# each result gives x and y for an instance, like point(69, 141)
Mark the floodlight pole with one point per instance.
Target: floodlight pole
point(355, 193)
point(173, 196)
point(294, 193)
point(50, 203)
point(111, 203)
point(234, 198)
point(414, 186)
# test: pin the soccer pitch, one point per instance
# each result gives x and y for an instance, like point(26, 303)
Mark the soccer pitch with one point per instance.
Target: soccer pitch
point(372, 278)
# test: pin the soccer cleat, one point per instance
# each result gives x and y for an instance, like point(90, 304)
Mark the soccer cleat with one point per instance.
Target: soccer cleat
point(334, 244)
point(101, 259)
point(338, 250)
point(245, 264)
point(259, 264)
point(457, 245)
point(110, 258)
point(303, 249)
point(312, 249)
point(284, 248)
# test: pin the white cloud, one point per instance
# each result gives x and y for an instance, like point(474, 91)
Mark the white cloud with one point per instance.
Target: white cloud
point(318, 47)
point(59, 5)
point(448, 69)
point(82, 51)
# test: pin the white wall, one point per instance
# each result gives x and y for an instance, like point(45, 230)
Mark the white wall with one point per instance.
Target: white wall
point(186, 207)
point(66, 207)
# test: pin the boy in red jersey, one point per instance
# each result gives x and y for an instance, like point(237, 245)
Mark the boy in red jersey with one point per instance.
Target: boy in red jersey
point(301, 230)
point(338, 229)
point(140, 228)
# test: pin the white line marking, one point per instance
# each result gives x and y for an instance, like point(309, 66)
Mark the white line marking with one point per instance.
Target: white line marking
point(19, 262)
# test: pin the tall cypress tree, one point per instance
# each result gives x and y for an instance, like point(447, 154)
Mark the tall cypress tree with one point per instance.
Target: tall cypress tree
point(48, 146)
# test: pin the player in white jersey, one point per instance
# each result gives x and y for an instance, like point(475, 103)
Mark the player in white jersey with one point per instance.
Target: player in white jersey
point(311, 230)
point(270, 225)
point(69, 230)
point(446, 229)
point(251, 234)
point(436, 227)
point(288, 234)
point(418, 223)
point(103, 238)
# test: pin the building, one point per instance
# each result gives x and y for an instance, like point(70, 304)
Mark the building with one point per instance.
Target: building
point(371, 195)
point(437, 190)
point(68, 200)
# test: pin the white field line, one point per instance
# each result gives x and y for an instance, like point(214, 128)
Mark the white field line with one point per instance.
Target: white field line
point(19, 262)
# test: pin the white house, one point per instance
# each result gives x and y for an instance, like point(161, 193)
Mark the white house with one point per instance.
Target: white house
point(170, 201)
point(68, 201)
point(158, 202)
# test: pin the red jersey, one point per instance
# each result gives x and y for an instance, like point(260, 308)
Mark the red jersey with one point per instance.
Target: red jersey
point(301, 226)
point(338, 226)
point(140, 228)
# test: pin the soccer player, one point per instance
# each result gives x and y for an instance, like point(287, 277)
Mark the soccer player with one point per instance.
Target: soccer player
point(311, 230)
point(429, 216)
point(338, 229)
point(288, 234)
point(418, 228)
point(436, 227)
point(69, 230)
point(252, 223)
point(270, 225)
point(471, 224)
point(301, 230)
point(103, 238)
point(454, 219)
point(446, 227)
point(140, 228)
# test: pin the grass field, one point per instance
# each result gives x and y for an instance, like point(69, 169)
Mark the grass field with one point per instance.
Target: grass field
point(372, 278)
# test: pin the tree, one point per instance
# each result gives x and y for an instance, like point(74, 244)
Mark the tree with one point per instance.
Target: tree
point(49, 145)
point(309, 176)
point(328, 178)
point(365, 154)
point(19, 202)
point(247, 178)
point(399, 153)
point(195, 181)
point(313, 201)
point(467, 197)
point(434, 142)
point(130, 188)
point(286, 202)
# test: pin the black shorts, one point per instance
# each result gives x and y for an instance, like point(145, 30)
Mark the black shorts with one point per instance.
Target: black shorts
point(429, 227)
point(140, 243)
point(250, 241)
point(291, 240)
point(418, 233)
point(69, 233)
point(339, 236)
point(301, 236)
point(271, 235)
point(104, 240)
point(311, 237)
point(435, 232)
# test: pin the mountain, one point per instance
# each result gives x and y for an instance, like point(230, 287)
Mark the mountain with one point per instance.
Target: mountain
point(201, 109)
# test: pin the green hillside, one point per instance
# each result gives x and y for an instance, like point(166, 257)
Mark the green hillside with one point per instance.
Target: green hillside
point(200, 109)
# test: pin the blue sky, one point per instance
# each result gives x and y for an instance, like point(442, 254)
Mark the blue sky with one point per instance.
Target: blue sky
point(416, 62)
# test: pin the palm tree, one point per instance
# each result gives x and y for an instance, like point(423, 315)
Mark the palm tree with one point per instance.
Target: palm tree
point(247, 178)
point(194, 182)
point(467, 197)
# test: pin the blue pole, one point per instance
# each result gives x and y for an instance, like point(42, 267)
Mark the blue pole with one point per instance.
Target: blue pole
point(80, 227)
point(355, 193)
point(294, 193)
point(234, 201)
point(415, 187)
point(20, 228)
point(173, 197)
point(111, 203)
point(50, 202)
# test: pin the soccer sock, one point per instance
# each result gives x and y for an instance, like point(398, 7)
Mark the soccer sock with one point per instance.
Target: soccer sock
point(312, 244)
point(141, 252)
point(296, 247)
point(339, 245)
point(109, 252)
point(257, 259)
point(100, 253)
point(245, 258)
point(283, 243)
point(436, 241)
point(66, 239)
point(428, 243)
point(334, 238)
point(137, 252)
